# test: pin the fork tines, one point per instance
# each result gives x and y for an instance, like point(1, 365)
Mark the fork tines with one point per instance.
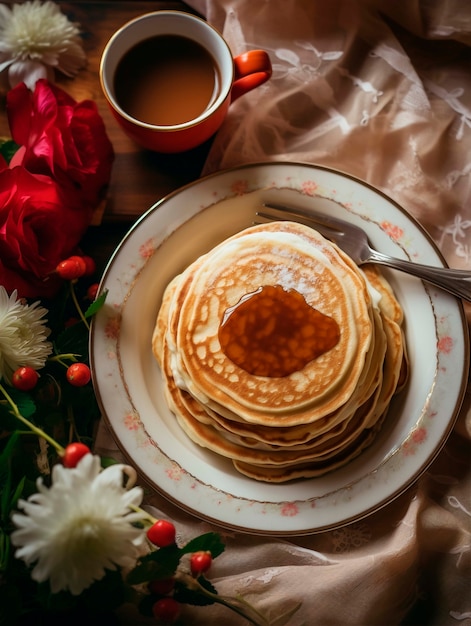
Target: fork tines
point(308, 214)
point(276, 212)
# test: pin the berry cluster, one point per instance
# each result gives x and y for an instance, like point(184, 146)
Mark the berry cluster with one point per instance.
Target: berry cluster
point(75, 267)
point(165, 606)
point(25, 378)
point(165, 593)
point(170, 575)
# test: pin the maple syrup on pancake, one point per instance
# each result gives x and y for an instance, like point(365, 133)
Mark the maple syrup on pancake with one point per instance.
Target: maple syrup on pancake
point(274, 332)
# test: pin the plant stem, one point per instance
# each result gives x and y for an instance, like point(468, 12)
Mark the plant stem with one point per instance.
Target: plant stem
point(192, 583)
point(77, 305)
point(60, 358)
point(32, 427)
point(137, 509)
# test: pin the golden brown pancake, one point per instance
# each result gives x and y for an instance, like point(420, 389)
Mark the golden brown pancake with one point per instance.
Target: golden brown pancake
point(311, 419)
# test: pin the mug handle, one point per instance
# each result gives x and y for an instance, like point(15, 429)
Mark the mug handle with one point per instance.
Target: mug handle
point(251, 69)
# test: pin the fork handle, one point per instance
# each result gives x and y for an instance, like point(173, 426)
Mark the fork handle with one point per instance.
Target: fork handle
point(456, 282)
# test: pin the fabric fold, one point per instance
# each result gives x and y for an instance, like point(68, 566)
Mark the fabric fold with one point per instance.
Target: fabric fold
point(382, 90)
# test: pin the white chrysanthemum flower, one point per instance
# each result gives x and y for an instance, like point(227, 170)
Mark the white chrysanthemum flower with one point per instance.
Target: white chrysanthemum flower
point(23, 335)
point(80, 526)
point(36, 37)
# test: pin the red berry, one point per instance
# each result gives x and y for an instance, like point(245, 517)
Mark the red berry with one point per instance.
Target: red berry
point(78, 374)
point(73, 453)
point(200, 562)
point(92, 291)
point(161, 587)
point(161, 533)
point(167, 610)
point(25, 378)
point(90, 265)
point(72, 268)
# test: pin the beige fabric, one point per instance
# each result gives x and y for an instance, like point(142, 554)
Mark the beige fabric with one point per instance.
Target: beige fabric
point(382, 90)
point(349, 92)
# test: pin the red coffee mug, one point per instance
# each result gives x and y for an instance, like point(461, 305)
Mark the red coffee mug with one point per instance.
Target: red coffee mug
point(235, 77)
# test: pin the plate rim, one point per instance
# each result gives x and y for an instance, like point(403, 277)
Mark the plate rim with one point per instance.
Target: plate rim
point(214, 519)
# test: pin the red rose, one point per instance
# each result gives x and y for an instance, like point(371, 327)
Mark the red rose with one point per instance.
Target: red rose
point(61, 138)
point(40, 225)
point(52, 185)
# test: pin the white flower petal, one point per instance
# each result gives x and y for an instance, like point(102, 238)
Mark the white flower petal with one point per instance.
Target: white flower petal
point(79, 527)
point(38, 32)
point(29, 74)
point(4, 64)
point(23, 335)
point(5, 14)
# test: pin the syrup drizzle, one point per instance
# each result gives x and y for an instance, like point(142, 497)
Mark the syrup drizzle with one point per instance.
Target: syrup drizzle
point(274, 332)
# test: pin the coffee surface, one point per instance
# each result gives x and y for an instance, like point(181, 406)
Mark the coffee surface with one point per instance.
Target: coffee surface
point(166, 80)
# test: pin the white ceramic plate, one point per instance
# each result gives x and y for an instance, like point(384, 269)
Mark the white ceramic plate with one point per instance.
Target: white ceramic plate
point(127, 379)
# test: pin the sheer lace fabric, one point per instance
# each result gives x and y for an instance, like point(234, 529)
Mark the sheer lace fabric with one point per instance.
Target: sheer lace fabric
point(380, 89)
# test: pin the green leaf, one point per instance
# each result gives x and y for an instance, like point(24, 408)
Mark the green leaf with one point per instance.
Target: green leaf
point(157, 565)
point(210, 542)
point(18, 492)
point(107, 461)
point(8, 148)
point(96, 305)
point(24, 402)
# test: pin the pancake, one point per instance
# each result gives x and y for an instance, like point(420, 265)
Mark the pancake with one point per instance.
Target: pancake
point(289, 255)
point(301, 383)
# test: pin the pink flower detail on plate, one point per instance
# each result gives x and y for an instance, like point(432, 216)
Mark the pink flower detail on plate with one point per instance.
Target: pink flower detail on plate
point(408, 448)
point(395, 232)
point(240, 187)
point(309, 187)
point(289, 509)
point(418, 436)
point(145, 442)
point(175, 472)
point(445, 344)
point(131, 421)
point(147, 249)
point(112, 327)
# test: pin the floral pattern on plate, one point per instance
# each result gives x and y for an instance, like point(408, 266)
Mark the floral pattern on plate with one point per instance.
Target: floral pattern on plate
point(188, 223)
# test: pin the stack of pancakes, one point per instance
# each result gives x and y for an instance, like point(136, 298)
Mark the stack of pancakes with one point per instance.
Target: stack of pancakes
point(308, 421)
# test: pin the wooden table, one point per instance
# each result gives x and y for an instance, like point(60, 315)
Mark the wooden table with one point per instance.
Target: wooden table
point(139, 177)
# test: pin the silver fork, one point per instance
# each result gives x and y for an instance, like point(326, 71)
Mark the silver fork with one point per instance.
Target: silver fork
point(354, 241)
